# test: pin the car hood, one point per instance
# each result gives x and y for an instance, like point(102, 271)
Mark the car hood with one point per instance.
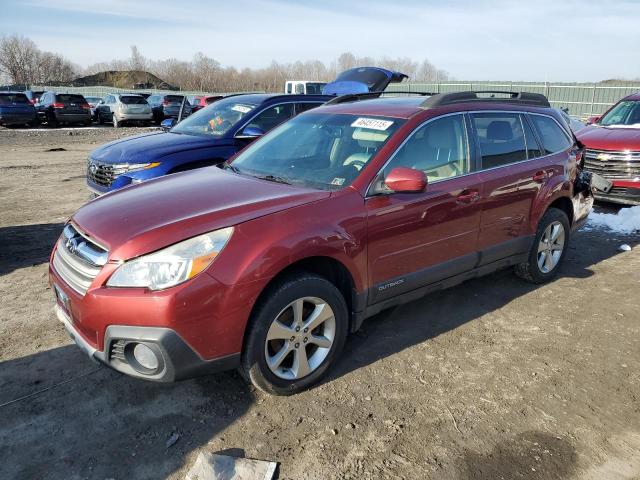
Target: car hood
point(146, 217)
point(151, 146)
point(610, 138)
point(362, 80)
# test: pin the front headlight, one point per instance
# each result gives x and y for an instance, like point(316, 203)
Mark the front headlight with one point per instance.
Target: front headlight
point(134, 167)
point(172, 265)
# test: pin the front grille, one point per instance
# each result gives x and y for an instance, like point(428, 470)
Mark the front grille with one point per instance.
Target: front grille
point(78, 260)
point(117, 351)
point(104, 174)
point(613, 164)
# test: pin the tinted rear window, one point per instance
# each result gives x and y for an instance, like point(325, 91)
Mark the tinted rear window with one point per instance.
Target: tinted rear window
point(133, 100)
point(7, 99)
point(173, 98)
point(67, 98)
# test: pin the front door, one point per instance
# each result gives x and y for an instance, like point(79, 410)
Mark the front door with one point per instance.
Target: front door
point(415, 239)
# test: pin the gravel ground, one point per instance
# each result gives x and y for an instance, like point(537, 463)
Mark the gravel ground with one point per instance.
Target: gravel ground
point(494, 379)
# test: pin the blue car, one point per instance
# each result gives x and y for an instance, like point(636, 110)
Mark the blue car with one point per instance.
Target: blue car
point(209, 136)
point(15, 109)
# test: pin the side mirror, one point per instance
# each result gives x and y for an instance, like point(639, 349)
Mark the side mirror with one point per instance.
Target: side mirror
point(167, 124)
point(406, 180)
point(592, 120)
point(250, 132)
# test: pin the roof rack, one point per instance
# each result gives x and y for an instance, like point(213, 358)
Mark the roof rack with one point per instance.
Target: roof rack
point(356, 97)
point(522, 98)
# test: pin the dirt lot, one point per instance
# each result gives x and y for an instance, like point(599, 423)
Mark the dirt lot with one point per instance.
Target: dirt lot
point(494, 379)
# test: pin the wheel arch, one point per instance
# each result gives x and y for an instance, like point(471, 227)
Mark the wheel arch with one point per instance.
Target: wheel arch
point(326, 267)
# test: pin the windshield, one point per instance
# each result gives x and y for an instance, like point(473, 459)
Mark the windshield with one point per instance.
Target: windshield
point(625, 113)
point(321, 150)
point(93, 99)
point(216, 119)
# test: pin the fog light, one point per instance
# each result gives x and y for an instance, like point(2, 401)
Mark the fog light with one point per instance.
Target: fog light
point(146, 357)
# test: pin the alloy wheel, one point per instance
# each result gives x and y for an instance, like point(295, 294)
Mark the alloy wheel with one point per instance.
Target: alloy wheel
point(300, 338)
point(550, 247)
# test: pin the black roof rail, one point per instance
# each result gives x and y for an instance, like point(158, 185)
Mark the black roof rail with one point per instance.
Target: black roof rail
point(356, 97)
point(523, 98)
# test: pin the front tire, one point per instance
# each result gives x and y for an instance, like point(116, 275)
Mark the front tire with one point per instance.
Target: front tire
point(296, 334)
point(548, 249)
point(116, 124)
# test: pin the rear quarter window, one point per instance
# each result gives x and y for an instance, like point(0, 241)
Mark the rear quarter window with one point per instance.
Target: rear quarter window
point(554, 138)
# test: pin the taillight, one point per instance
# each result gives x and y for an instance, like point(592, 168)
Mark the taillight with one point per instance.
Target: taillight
point(86, 106)
point(58, 105)
point(166, 102)
point(32, 102)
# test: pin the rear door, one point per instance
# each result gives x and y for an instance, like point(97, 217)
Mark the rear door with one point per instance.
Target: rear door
point(512, 172)
point(415, 239)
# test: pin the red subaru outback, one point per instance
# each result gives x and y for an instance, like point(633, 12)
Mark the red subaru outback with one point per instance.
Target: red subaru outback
point(613, 150)
point(268, 263)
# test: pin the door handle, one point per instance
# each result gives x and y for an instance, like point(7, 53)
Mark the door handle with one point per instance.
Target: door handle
point(540, 176)
point(468, 196)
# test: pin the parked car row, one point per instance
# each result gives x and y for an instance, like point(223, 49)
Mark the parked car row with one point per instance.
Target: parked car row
point(54, 109)
point(324, 211)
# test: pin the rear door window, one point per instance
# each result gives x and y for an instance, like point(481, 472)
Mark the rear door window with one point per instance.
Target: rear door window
point(303, 107)
point(533, 147)
point(500, 137)
point(554, 138)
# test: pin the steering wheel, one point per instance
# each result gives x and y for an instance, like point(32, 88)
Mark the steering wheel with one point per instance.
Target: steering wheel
point(356, 164)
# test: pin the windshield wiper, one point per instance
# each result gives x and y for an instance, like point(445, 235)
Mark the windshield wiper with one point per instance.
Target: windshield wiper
point(273, 178)
point(228, 166)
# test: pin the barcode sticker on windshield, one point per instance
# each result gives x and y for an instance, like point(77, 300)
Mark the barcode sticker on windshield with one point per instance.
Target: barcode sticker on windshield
point(241, 108)
point(372, 123)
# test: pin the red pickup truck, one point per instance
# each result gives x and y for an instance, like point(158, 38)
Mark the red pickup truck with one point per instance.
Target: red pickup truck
point(612, 144)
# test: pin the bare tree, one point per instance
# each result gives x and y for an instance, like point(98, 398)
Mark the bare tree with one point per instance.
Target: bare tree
point(137, 61)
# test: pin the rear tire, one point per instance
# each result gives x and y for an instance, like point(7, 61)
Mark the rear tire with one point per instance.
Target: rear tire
point(295, 334)
point(52, 121)
point(548, 249)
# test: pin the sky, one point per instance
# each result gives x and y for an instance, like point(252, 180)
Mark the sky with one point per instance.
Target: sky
point(525, 40)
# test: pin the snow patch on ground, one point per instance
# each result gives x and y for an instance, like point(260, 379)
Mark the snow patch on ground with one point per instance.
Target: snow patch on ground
point(627, 220)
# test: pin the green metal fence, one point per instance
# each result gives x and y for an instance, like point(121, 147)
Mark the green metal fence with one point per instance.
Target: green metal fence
point(582, 99)
point(101, 91)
